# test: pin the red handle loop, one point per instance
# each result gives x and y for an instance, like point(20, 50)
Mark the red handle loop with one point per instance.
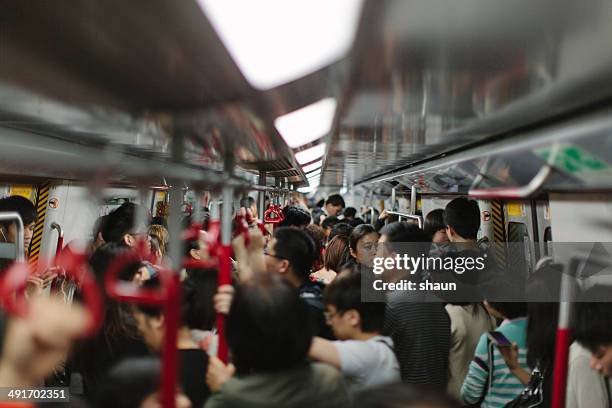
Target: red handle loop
point(75, 267)
point(274, 214)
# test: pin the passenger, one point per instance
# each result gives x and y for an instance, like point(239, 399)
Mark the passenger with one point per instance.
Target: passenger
point(269, 340)
point(291, 254)
point(542, 318)
point(161, 234)
point(98, 239)
point(198, 313)
point(435, 227)
point(342, 228)
point(361, 353)
point(336, 255)
point(118, 338)
point(295, 217)
point(589, 382)
point(32, 346)
point(157, 256)
point(491, 383)
point(121, 226)
point(318, 236)
point(468, 322)
point(403, 396)
point(334, 205)
point(363, 243)
point(27, 212)
point(328, 223)
point(250, 203)
point(134, 383)
point(349, 213)
point(420, 329)
point(355, 222)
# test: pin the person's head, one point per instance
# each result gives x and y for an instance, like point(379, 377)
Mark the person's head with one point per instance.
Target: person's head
point(462, 220)
point(347, 315)
point(342, 228)
point(196, 247)
point(593, 327)
point(134, 383)
point(336, 253)
point(334, 205)
point(400, 232)
point(318, 237)
point(434, 226)
point(403, 396)
point(295, 217)
point(291, 252)
point(156, 252)
point(328, 223)
point(197, 310)
point(161, 233)
point(507, 310)
point(355, 222)
point(97, 238)
point(349, 213)
point(104, 256)
point(121, 226)
point(268, 326)
point(27, 212)
point(362, 244)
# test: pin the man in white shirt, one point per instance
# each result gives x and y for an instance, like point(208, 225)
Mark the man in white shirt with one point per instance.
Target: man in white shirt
point(364, 357)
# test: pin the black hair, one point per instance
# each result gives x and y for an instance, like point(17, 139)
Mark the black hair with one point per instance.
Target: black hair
point(268, 326)
point(320, 203)
point(197, 292)
point(22, 206)
point(510, 310)
point(404, 396)
point(99, 226)
point(297, 247)
point(344, 292)
point(247, 201)
point(463, 215)
point(159, 221)
point(434, 222)
point(295, 217)
point(342, 228)
point(355, 222)
point(129, 383)
point(403, 232)
point(330, 221)
point(358, 233)
point(593, 323)
point(317, 212)
point(335, 200)
point(120, 222)
point(337, 253)
point(350, 212)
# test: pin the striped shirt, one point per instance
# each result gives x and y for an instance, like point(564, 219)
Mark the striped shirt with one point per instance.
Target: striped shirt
point(505, 386)
point(420, 330)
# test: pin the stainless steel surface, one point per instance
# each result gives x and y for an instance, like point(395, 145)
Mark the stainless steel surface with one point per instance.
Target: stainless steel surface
point(401, 215)
point(19, 249)
point(430, 77)
point(413, 199)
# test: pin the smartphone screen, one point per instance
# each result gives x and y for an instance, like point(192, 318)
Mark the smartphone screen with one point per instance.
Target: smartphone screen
point(499, 339)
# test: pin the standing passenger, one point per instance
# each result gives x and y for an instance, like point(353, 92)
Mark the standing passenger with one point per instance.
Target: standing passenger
point(363, 243)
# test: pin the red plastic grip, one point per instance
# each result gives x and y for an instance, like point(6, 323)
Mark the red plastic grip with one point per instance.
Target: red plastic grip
point(562, 345)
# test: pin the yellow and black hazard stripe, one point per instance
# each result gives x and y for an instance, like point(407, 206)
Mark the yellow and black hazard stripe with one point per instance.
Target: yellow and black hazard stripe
point(499, 231)
point(42, 198)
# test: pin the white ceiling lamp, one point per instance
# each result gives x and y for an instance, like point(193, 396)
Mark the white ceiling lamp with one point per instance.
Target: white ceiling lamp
point(312, 174)
point(306, 190)
point(310, 154)
point(313, 166)
point(277, 41)
point(307, 124)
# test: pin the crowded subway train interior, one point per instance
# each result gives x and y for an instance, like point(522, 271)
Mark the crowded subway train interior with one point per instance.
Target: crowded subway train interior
point(348, 203)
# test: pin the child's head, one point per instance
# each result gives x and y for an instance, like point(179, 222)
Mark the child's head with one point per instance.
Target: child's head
point(347, 315)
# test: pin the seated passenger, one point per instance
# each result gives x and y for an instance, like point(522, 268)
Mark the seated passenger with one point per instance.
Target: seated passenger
point(589, 382)
point(489, 380)
point(362, 244)
point(269, 338)
point(336, 255)
point(420, 328)
point(197, 313)
point(364, 356)
point(134, 383)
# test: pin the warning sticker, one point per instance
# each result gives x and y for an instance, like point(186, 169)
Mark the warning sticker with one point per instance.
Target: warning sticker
point(486, 216)
point(53, 203)
point(515, 209)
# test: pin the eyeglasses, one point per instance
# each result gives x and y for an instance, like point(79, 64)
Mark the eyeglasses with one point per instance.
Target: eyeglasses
point(273, 255)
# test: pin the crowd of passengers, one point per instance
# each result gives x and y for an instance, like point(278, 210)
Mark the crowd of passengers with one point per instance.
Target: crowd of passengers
point(298, 332)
